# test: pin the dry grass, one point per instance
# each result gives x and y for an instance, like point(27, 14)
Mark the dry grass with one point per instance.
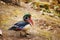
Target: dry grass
point(45, 28)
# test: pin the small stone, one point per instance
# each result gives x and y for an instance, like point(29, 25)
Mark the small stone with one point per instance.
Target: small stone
point(44, 24)
point(0, 33)
point(51, 14)
point(30, 39)
point(56, 16)
point(2, 2)
point(41, 12)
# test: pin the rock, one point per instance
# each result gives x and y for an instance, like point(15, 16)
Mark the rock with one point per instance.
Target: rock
point(2, 2)
point(56, 16)
point(51, 14)
point(41, 12)
point(1, 33)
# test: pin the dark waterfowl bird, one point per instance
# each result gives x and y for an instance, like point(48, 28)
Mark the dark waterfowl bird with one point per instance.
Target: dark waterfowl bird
point(20, 25)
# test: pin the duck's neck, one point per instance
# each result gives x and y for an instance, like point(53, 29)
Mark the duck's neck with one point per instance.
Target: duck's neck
point(26, 22)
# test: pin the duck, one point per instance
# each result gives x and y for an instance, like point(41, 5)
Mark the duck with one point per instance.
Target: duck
point(21, 24)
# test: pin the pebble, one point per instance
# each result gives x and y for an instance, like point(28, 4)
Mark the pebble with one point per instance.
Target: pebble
point(51, 14)
point(0, 31)
point(3, 2)
point(56, 16)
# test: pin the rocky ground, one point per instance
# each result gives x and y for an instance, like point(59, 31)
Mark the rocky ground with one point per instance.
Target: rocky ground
point(45, 27)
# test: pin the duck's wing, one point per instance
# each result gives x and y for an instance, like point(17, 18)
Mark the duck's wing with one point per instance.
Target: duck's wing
point(20, 25)
point(16, 25)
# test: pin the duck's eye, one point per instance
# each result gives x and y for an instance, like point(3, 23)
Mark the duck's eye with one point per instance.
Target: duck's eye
point(26, 18)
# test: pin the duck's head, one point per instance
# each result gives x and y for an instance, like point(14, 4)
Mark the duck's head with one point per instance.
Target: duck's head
point(27, 18)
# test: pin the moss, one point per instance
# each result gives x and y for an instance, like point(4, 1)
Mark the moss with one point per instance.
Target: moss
point(58, 15)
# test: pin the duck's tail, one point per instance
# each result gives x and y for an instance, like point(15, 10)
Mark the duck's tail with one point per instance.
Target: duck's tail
point(12, 28)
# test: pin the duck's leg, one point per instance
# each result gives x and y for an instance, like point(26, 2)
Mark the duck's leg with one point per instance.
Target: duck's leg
point(23, 33)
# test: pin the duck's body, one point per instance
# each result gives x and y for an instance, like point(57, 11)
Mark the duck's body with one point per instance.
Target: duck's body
point(21, 24)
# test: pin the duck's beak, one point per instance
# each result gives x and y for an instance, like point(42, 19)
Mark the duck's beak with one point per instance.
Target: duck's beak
point(30, 21)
